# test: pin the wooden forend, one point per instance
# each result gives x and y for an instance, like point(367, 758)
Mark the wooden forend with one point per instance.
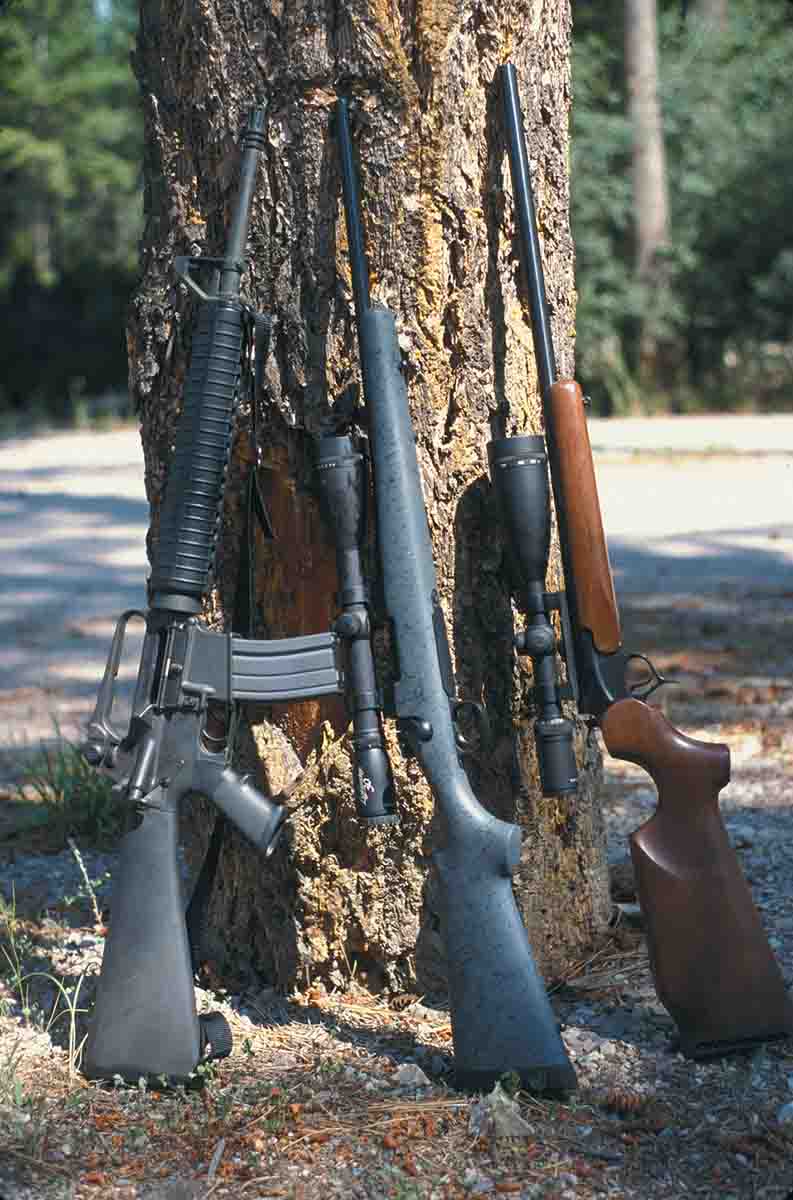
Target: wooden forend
point(589, 558)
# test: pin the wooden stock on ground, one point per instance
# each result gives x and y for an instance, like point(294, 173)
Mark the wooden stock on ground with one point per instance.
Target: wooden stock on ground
point(713, 967)
point(588, 553)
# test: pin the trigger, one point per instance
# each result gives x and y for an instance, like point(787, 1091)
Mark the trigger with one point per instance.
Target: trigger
point(484, 732)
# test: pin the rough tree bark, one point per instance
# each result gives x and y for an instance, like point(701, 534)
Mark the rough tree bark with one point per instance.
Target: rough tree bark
point(650, 196)
point(438, 215)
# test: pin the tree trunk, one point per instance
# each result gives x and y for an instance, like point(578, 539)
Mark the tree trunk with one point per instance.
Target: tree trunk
point(337, 897)
point(650, 199)
point(712, 13)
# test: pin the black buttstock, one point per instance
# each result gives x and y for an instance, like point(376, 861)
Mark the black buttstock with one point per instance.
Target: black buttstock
point(144, 1021)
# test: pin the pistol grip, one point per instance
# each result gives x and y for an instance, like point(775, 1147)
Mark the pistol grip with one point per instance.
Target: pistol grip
point(713, 967)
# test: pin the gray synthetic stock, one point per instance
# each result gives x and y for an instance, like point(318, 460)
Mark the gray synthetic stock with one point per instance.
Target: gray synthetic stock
point(501, 1019)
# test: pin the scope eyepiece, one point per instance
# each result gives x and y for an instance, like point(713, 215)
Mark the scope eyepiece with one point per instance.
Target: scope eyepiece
point(556, 755)
point(374, 784)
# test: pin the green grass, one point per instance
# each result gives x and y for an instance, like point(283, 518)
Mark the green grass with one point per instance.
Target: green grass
point(78, 800)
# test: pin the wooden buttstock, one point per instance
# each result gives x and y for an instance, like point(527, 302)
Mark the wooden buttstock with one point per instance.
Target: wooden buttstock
point(714, 969)
point(589, 559)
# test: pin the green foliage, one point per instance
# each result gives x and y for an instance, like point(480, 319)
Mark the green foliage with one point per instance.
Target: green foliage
point(601, 219)
point(726, 105)
point(79, 800)
point(70, 207)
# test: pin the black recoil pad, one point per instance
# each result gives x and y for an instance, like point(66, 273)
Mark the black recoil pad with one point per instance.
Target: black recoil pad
point(342, 484)
point(519, 471)
point(191, 507)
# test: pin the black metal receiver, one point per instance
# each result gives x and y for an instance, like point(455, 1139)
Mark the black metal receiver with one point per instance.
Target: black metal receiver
point(144, 1021)
point(519, 473)
point(500, 1015)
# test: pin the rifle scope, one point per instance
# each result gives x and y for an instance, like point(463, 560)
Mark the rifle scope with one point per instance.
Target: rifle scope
point(519, 471)
point(342, 483)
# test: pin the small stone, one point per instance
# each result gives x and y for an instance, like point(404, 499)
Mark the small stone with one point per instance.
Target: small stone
point(785, 1114)
point(497, 1115)
point(477, 1182)
point(410, 1075)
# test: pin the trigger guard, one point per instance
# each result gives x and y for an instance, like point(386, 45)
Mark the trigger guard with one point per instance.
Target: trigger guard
point(483, 724)
point(657, 680)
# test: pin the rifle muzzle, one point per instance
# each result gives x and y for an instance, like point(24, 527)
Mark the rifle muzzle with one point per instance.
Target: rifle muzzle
point(556, 755)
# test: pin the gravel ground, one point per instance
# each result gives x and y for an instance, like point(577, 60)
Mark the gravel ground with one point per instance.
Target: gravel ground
point(348, 1095)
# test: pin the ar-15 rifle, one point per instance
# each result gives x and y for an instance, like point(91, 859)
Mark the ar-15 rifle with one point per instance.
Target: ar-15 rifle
point(713, 967)
point(500, 1015)
point(144, 1021)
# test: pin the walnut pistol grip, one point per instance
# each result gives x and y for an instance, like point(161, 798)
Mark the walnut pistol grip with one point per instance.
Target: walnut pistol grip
point(713, 967)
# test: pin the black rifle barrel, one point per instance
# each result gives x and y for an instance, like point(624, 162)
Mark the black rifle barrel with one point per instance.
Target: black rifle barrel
point(190, 515)
point(527, 229)
point(352, 210)
point(251, 145)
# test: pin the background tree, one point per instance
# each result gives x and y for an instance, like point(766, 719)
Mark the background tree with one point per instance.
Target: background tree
point(70, 146)
point(728, 297)
point(438, 220)
point(70, 152)
point(713, 13)
point(650, 195)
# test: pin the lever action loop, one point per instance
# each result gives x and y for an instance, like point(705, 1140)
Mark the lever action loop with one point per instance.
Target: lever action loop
point(642, 689)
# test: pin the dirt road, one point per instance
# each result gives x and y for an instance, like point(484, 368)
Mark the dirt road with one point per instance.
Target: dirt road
point(692, 506)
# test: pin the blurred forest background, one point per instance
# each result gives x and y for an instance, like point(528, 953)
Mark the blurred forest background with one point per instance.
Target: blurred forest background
point(682, 172)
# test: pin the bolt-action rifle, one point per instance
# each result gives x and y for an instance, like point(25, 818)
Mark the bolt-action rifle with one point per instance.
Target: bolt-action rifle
point(713, 967)
point(144, 1021)
point(500, 1015)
